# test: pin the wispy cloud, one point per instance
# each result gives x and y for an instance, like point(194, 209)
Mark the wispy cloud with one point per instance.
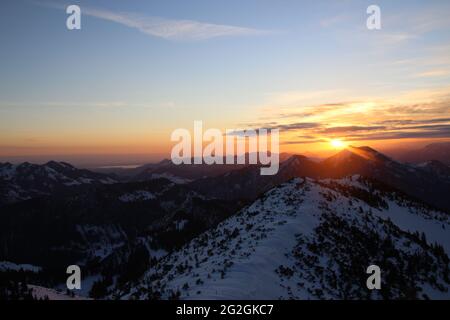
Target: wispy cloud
point(347, 129)
point(409, 115)
point(428, 20)
point(395, 38)
point(362, 133)
point(433, 73)
point(443, 132)
point(169, 29)
point(172, 29)
point(406, 27)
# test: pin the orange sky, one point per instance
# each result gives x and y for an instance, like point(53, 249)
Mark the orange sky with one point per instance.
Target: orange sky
point(120, 88)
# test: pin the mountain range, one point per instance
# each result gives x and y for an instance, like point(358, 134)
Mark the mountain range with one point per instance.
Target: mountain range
point(439, 151)
point(192, 232)
point(429, 181)
point(25, 181)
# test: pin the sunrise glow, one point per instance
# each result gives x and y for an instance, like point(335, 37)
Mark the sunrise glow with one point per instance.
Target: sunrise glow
point(338, 144)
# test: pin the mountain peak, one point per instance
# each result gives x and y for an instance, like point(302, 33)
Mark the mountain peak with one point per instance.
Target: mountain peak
point(58, 165)
point(438, 145)
point(351, 160)
point(5, 164)
point(294, 161)
point(164, 162)
point(434, 151)
point(295, 158)
point(366, 153)
point(436, 167)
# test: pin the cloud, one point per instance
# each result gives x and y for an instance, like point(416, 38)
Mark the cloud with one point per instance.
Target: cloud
point(411, 25)
point(425, 21)
point(346, 129)
point(172, 29)
point(410, 114)
point(395, 38)
point(297, 126)
point(443, 132)
point(433, 108)
point(303, 141)
point(433, 73)
point(274, 125)
point(411, 121)
point(169, 29)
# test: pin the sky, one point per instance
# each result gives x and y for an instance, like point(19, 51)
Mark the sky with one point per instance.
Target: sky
point(137, 70)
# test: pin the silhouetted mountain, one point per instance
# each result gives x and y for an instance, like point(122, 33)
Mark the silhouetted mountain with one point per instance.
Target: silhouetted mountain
point(436, 151)
point(248, 183)
point(423, 182)
point(354, 160)
point(436, 168)
point(182, 173)
point(177, 173)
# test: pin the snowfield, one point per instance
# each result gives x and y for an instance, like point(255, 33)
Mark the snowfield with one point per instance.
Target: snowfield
point(41, 293)
point(139, 195)
point(308, 239)
point(9, 266)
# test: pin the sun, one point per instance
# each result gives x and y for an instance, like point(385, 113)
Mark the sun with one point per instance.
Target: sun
point(337, 144)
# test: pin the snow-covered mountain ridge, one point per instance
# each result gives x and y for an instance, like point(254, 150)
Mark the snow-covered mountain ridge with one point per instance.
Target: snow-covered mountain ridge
point(25, 181)
point(311, 239)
